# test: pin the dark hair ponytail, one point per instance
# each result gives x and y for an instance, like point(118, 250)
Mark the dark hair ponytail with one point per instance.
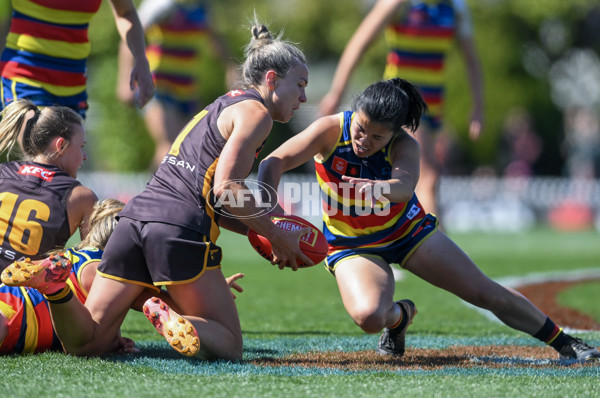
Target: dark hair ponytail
point(396, 102)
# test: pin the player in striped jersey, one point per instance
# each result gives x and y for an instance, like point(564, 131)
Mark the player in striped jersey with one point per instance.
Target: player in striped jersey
point(181, 44)
point(419, 35)
point(25, 321)
point(367, 165)
point(47, 49)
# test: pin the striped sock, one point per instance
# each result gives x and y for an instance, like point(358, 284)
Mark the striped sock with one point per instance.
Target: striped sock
point(402, 321)
point(552, 335)
point(62, 296)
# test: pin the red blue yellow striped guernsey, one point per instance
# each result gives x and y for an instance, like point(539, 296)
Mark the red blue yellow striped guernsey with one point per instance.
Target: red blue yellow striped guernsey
point(47, 45)
point(418, 42)
point(30, 325)
point(348, 220)
point(174, 51)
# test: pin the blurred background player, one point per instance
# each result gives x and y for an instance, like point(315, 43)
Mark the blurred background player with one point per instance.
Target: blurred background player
point(47, 48)
point(5, 11)
point(180, 40)
point(42, 203)
point(418, 34)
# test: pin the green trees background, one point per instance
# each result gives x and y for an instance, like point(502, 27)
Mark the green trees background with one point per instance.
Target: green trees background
point(518, 43)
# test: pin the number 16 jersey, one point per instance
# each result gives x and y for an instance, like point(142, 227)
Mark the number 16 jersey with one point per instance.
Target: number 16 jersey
point(33, 210)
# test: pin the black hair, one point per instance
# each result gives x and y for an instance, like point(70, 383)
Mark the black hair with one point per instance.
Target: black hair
point(395, 102)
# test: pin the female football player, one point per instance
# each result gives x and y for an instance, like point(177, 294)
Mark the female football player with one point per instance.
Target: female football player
point(365, 159)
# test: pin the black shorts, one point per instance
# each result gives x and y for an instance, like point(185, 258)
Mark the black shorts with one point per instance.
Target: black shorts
point(153, 254)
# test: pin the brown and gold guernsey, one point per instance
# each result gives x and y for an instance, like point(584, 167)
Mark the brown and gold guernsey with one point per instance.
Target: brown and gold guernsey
point(180, 193)
point(33, 210)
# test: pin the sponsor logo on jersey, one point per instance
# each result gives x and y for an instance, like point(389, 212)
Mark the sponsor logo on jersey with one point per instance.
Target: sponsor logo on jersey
point(339, 165)
point(235, 93)
point(344, 167)
point(39, 172)
point(179, 163)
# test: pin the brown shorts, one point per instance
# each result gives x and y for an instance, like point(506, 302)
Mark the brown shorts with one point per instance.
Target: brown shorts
point(153, 254)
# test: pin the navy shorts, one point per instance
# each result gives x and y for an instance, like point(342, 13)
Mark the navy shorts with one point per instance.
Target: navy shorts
point(12, 91)
point(397, 252)
point(154, 254)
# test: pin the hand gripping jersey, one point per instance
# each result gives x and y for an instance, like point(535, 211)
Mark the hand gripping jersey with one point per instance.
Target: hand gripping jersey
point(47, 47)
point(181, 191)
point(30, 325)
point(418, 42)
point(348, 220)
point(33, 210)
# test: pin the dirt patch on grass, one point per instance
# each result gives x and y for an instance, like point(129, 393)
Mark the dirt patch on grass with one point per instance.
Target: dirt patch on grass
point(427, 359)
point(543, 295)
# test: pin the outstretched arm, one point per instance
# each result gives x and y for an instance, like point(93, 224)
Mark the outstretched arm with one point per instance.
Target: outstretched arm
point(466, 44)
point(132, 33)
point(367, 31)
point(476, 83)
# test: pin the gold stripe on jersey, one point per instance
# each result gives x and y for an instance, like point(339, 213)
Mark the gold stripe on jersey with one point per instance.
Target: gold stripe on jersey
point(7, 310)
point(341, 114)
point(339, 227)
point(416, 75)
point(65, 17)
point(176, 65)
point(206, 188)
point(348, 202)
point(119, 279)
point(31, 332)
point(175, 147)
point(52, 48)
point(418, 43)
point(51, 88)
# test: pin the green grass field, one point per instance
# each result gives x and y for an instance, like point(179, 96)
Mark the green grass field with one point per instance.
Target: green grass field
point(285, 312)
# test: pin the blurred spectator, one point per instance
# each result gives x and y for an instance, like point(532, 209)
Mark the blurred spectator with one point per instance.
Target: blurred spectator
point(521, 145)
point(582, 142)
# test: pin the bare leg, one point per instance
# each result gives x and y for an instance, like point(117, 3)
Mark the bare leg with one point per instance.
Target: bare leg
point(443, 264)
point(93, 329)
point(367, 289)
point(427, 187)
point(163, 122)
point(3, 327)
point(208, 304)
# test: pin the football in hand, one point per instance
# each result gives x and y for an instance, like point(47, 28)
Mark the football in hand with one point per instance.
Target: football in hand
point(313, 245)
